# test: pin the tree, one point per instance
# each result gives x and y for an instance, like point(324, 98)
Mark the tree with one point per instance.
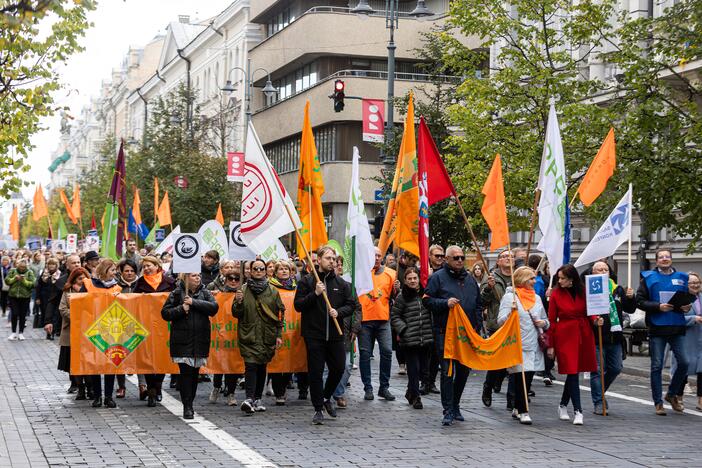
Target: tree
point(35, 37)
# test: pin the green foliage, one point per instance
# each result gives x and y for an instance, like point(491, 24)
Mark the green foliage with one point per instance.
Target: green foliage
point(35, 37)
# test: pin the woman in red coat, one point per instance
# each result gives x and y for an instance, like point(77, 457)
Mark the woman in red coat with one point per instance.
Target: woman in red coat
point(571, 338)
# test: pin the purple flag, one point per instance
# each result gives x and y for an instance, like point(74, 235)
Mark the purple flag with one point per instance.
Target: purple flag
point(118, 195)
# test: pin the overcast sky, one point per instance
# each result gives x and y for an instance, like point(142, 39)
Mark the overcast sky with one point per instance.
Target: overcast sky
point(117, 24)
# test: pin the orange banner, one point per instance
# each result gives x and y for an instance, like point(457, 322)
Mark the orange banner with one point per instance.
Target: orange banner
point(126, 335)
point(502, 350)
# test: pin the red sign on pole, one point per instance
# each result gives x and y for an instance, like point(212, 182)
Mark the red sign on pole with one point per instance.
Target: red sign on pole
point(373, 120)
point(235, 167)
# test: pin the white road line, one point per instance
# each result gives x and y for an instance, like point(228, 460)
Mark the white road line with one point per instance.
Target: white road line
point(633, 399)
point(222, 439)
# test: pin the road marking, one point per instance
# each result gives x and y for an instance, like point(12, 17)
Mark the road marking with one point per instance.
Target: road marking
point(222, 439)
point(633, 399)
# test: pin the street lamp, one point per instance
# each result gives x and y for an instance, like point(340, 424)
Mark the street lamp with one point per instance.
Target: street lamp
point(269, 90)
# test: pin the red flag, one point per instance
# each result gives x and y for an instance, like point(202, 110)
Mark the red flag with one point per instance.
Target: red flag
point(93, 224)
point(434, 186)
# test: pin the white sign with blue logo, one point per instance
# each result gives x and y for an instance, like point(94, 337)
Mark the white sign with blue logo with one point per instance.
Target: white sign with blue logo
point(597, 294)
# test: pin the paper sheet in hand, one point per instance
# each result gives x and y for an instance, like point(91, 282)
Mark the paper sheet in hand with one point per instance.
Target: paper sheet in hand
point(597, 294)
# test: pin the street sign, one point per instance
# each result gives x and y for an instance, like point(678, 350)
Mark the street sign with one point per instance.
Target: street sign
point(379, 196)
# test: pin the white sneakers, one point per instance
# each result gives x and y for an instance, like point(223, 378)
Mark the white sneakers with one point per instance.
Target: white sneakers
point(402, 370)
point(231, 400)
point(563, 413)
point(524, 418)
point(214, 394)
point(13, 337)
point(20, 337)
point(578, 418)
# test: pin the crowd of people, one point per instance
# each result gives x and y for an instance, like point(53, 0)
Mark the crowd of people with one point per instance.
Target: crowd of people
point(404, 318)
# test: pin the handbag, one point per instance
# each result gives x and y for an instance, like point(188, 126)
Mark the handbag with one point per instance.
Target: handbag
point(5, 286)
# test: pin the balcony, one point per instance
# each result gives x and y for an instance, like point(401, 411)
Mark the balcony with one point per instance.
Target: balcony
point(325, 31)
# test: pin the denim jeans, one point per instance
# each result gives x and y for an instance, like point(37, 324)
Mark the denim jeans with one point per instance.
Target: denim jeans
point(612, 359)
point(370, 332)
point(451, 386)
point(341, 388)
point(677, 382)
point(571, 392)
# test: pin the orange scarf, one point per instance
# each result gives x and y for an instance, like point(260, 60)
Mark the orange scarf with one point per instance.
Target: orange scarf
point(527, 297)
point(154, 280)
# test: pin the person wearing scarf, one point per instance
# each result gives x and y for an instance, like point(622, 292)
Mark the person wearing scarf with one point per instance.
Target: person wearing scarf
point(613, 342)
point(46, 288)
point(693, 335)
point(532, 323)
point(283, 281)
point(260, 312)
point(152, 281)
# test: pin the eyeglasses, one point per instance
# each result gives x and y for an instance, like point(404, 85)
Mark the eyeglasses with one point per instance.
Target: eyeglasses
point(458, 257)
point(439, 255)
point(258, 269)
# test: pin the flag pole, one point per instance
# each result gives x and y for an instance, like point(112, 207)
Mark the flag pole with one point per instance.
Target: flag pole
point(604, 402)
point(514, 308)
point(353, 288)
point(572, 201)
point(534, 211)
point(472, 234)
point(631, 223)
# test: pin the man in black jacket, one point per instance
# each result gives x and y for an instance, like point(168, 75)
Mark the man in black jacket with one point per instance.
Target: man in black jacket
point(324, 343)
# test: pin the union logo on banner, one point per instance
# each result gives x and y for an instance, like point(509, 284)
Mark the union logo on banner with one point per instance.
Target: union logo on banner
point(116, 333)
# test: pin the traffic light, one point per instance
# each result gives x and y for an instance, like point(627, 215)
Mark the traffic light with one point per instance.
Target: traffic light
point(338, 95)
point(377, 225)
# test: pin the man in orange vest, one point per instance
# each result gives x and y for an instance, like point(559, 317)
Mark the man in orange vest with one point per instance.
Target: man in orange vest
point(376, 326)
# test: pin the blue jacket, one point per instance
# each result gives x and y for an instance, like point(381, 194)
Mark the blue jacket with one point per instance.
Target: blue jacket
point(648, 299)
point(445, 284)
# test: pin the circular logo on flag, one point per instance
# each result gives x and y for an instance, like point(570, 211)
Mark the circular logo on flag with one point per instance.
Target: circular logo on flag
point(257, 202)
point(236, 236)
point(187, 246)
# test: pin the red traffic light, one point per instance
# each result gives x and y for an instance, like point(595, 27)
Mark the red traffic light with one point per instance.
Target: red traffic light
point(339, 86)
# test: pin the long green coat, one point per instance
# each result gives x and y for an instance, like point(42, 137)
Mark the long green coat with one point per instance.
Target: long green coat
point(21, 288)
point(258, 329)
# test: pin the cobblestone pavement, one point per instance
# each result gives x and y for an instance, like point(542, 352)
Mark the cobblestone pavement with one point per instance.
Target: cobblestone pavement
point(43, 426)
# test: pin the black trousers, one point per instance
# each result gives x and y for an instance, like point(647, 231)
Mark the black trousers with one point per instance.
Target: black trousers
point(255, 378)
point(433, 370)
point(520, 400)
point(495, 377)
point(280, 383)
point(20, 310)
point(154, 381)
point(109, 385)
point(187, 384)
point(230, 381)
point(319, 353)
point(571, 392)
point(303, 383)
point(4, 296)
point(417, 359)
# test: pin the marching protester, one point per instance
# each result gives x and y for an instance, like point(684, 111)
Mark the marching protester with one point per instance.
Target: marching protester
point(436, 263)
point(21, 281)
point(90, 262)
point(104, 281)
point(73, 284)
point(478, 272)
point(436, 258)
point(282, 280)
point(570, 338)
point(450, 286)
point(188, 309)
point(259, 309)
point(210, 266)
point(228, 281)
point(532, 324)
point(325, 345)
point(376, 326)
point(666, 326)
point(492, 289)
point(412, 322)
point(126, 279)
point(620, 300)
point(131, 253)
point(47, 287)
point(5, 267)
point(693, 336)
point(152, 281)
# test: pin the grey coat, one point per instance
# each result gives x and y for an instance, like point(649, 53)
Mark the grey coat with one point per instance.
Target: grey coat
point(532, 355)
point(693, 338)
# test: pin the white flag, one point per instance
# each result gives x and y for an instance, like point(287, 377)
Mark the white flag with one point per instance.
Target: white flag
point(552, 205)
point(166, 244)
point(264, 216)
point(357, 227)
point(187, 249)
point(214, 238)
point(238, 250)
point(614, 232)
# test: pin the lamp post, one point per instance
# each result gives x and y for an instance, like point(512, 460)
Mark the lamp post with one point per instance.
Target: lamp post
point(392, 22)
point(269, 90)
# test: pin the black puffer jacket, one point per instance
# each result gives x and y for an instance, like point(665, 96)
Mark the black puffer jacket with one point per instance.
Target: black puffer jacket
point(316, 323)
point(190, 333)
point(411, 321)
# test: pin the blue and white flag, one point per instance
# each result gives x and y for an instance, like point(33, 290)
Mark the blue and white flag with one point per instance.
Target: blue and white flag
point(614, 232)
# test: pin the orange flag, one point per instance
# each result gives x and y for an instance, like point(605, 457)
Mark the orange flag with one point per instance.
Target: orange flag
point(76, 203)
point(14, 224)
point(599, 172)
point(40, 208)
point(310, 188)
point(164, 211)
point(219, 217)
point(67, 204)
point(136, 207)
point(401, 221)
point(494, 208)
point(156, 197)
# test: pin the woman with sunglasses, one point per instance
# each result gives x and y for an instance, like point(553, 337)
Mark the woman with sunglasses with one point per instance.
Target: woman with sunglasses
point(228, 281)
point(260, 311)
point(285, 283)
point(571, 338)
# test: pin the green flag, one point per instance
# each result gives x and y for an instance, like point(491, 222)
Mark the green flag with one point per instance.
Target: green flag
point(151, 238)
point(61, 231)
point(109, 236)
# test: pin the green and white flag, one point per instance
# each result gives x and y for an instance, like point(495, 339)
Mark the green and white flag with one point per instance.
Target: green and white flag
point(109, 236)
point(359, 256)
point(552, 205)
point(151, 238)
point(61, 230)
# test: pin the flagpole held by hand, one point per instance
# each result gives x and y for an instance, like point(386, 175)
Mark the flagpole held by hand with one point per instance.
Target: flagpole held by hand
point(599, 337)
point(534, 212)
point(472, 234)
point(515, 310)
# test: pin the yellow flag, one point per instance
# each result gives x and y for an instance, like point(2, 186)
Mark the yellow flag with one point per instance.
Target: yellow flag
point(401, 221)
point(310, 189)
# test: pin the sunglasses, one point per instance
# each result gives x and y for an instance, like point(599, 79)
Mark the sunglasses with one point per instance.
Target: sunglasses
point(259, 269)
point(232, 278)
point(458, 257)
point(439, 255)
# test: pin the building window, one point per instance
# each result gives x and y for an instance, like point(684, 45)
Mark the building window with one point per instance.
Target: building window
point(279, 21)
point(294, 82)
point(285, 154)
